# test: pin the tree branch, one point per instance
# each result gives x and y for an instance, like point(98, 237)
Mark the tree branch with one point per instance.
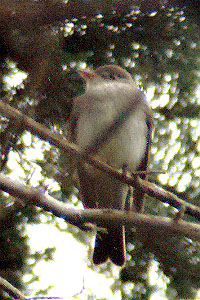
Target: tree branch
point(164, 196)
point(100, 217)
point(58, 141)
point(45, 13)
point(11, 290)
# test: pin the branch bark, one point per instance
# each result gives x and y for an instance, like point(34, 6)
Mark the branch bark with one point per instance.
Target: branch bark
point(58, 141)
point(28, 12)
point(10, 289)
point(101, 218)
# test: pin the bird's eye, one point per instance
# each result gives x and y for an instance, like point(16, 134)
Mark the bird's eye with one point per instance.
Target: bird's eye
point(112, 77)
point(108, 76)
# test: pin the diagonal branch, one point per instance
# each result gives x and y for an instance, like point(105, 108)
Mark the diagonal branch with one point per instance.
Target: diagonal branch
point(111, 129)
point(58, 141)
point(164, 196)
point(99, 217)
point(10, 289)
point(48, 13)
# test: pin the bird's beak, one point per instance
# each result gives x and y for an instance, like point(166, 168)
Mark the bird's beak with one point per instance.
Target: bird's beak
point(87, 75)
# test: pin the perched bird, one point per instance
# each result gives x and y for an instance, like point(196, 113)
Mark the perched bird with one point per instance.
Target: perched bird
point(111, 121)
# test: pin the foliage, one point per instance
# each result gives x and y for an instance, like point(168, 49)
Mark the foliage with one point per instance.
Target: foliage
point(160, 48)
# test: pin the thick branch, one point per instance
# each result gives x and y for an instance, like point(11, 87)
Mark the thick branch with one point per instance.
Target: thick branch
point(11, 290)
point(59, 142)
point(99, 217)
point(45, 13)
point(41, 12)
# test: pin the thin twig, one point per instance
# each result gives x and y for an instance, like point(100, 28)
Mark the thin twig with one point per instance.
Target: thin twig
point(111, 129)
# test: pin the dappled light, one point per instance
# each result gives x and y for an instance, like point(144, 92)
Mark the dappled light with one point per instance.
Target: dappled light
point(44, 45)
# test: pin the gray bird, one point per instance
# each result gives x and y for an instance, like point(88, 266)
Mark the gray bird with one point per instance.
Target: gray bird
point(111, 121)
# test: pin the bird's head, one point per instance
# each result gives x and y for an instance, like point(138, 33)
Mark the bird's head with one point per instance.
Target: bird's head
point(107, 73)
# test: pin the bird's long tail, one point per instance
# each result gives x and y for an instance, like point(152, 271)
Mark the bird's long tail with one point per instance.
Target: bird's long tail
point(110, 245)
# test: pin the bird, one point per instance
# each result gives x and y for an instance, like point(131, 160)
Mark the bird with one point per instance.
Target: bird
point(111, 121)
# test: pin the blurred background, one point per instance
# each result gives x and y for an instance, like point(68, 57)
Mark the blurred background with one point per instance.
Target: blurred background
point(42, 43)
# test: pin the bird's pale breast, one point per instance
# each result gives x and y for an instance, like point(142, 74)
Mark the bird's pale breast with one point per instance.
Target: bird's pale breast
point(128, 144)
